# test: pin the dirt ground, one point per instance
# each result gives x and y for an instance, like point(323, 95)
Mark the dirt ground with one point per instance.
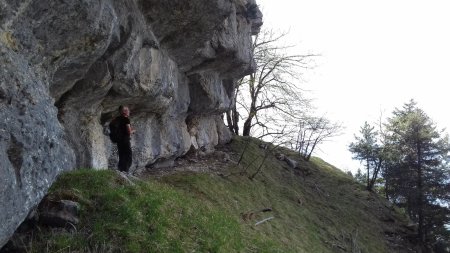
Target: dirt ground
point(214, 162)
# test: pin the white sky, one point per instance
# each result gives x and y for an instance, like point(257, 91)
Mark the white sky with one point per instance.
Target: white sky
point(375, 56)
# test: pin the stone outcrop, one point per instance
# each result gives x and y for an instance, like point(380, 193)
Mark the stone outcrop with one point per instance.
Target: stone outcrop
point(66, 66)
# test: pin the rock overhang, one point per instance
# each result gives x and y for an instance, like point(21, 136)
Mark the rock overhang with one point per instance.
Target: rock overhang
point(66, 67)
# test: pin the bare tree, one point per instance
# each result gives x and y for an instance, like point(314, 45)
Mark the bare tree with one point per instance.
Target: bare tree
point(270, 102)
point(313, 131)
point(272, 92)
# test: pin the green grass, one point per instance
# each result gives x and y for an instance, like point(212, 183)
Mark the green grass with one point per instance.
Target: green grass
point(147, 217)
point(316, 209)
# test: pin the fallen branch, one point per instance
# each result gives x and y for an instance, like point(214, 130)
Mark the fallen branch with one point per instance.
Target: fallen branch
point(260, 222)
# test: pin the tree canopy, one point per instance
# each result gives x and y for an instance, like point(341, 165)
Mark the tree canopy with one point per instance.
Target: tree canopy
point(414, 159)
point(368, 149)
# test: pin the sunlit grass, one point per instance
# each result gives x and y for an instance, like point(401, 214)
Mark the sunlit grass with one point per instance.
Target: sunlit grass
point(147, 217)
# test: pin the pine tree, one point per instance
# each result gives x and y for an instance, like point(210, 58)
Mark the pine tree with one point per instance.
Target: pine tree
point(367, 149)
point(416, 170)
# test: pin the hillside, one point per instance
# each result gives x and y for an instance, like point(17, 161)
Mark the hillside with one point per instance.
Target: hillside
point(210, 204)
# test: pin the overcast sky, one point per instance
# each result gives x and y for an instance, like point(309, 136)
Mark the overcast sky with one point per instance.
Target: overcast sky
point(375, 56)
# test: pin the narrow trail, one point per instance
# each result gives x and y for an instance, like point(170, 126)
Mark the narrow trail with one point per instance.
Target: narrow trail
point(215, 162)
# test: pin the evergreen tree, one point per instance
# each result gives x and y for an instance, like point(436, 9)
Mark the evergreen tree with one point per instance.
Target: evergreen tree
point(416, 171)
point(367, 149)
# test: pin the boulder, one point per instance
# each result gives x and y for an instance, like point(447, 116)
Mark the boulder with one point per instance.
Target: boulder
point(292, 163)
point(61, 213)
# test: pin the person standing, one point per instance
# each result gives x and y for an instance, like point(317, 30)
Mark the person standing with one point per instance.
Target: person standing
point(124, 139)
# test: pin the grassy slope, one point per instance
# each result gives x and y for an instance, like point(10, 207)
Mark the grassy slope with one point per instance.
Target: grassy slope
point(315, 209)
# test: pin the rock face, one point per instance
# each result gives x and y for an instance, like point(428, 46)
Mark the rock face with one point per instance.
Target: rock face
point(66, 66)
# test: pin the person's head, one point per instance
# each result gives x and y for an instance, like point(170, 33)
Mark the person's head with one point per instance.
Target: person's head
point(124, 110)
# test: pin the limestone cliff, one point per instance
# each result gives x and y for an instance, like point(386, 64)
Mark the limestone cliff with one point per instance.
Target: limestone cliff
point(65, 67)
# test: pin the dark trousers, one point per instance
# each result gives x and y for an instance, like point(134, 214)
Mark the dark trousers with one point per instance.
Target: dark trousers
point(125, 156)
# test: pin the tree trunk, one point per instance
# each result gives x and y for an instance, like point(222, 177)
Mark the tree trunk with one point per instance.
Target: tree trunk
point(230, 121)
point(235, 118)
point(368, 175)
point(247, 127)
point(248, 121)
point(375, 174)
point(386, 188)
point(421, 232)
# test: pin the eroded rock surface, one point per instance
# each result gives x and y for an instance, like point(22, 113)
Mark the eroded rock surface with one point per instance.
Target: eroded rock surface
point(66, 66)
